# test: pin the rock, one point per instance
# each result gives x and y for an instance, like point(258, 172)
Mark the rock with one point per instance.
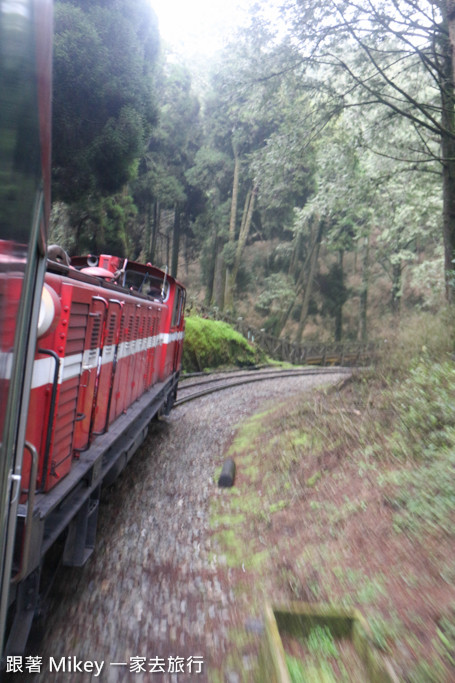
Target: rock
point(227, 475)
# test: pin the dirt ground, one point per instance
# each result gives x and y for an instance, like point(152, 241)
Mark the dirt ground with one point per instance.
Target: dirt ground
point(331, 537)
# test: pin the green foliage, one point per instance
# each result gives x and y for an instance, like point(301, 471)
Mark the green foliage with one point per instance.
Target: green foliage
point(424, 496)
point(174, 142)
point(317, 666)
point(229, 250)
point(314, 147)
point(422, 334)
point(446, 636)
point(320, 641)
point(427, 672)
point(103, 104)
point(105, 225)
point(277, 290)
point(119, 143)
point(212, 343)
point(424, 403)
point(296, 669)
point(422, 436)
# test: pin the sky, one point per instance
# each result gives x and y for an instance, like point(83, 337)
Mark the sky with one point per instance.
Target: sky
point(198, 27)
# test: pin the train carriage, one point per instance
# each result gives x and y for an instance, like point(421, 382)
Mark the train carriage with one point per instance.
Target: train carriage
point(100, 347)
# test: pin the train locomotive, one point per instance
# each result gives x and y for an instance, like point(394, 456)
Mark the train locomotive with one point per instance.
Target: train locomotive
point(107, 361)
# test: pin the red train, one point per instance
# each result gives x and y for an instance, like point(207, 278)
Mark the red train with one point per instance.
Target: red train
point(108, 334)
point(107, 361)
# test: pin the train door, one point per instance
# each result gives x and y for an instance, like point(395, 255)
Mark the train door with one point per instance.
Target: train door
point(88, 380)
point(142, 351)
point(152, 327)
point(54, 394)
point(177, 327)
point(118, 402)
point(133, 347)
point(108, 366)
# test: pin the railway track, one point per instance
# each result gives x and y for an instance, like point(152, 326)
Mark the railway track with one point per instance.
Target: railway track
point(190, 390)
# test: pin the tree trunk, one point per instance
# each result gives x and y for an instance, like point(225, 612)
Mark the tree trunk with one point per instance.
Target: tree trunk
point(296, 256)
point(299, 279)
point(155, 229)
point(448, 149)
point(175, 241)
point(185, 251)
point(308, 286)
point(219, 282)
point(363, 334)
point(167, 237)
point(448, 197)
point(396, 286)
point(231, 273)
point(210, 291)
point(247, 219)
point(148, 231)
point(340, 301)
point(228, 294)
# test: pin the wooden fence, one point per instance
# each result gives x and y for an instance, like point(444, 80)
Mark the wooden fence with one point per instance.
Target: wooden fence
point(291, 352)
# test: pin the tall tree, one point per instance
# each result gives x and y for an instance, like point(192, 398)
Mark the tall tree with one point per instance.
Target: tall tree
point(238, 123)
point(171, 150)
point(394, 53)
point(103, 109)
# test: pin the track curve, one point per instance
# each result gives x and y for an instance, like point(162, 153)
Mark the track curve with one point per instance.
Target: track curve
point(228, 380)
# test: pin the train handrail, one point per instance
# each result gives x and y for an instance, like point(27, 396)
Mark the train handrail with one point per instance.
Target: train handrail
point(28, 518)
point(98, 369)
point(50, 425)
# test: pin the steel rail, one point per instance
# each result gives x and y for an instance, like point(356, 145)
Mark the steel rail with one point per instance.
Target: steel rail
point(249, 380)
point(250, 373)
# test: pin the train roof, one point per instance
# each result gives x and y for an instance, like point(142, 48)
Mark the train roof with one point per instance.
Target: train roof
point(112, 272)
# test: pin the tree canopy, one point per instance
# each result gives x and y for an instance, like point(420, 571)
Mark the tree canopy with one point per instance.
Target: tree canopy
point(104, 105)
point(320, 143)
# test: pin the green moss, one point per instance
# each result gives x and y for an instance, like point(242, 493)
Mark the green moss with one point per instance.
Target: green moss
point(251, 504)
point(280, 505)
point(298, 438)
point(212, 344)
point(248, 432)
point(228, 520)
point(228, 542)
point(312, 481)
point(257, 560)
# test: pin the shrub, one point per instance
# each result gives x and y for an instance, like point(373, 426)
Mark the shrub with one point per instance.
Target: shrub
point(212, 343)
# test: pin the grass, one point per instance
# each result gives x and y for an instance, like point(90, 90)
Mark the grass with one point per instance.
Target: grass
point(322, 655)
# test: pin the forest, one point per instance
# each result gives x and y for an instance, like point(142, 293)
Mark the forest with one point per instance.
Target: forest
point(303, 178)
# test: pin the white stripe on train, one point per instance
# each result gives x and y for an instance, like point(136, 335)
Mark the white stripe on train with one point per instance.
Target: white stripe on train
point(72, 366)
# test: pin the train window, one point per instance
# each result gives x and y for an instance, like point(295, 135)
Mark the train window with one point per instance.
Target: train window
point(134, 280)
point(147, 284)
point(154, 288)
